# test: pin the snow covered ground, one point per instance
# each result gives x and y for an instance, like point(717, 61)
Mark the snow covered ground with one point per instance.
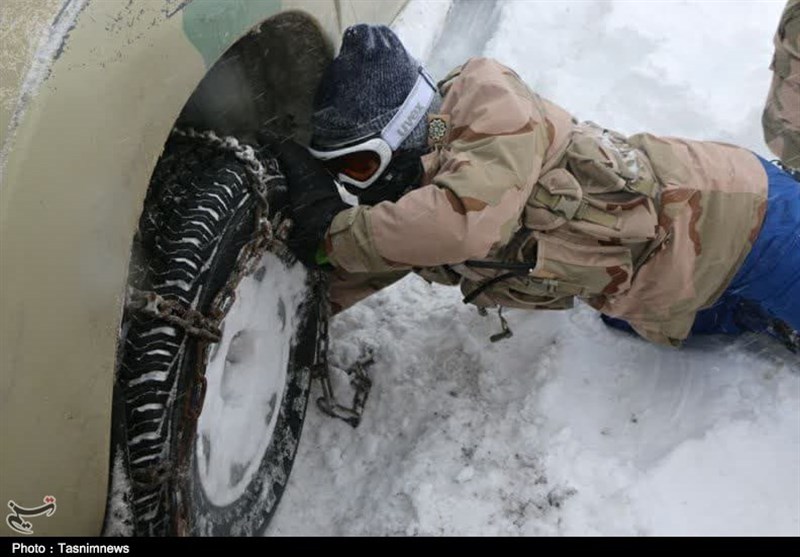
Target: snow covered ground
point(568, 428)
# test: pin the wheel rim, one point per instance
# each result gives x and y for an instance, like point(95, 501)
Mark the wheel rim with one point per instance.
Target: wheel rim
point(247, 375)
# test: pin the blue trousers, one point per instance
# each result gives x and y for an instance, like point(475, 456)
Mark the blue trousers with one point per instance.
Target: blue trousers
point(766, 290)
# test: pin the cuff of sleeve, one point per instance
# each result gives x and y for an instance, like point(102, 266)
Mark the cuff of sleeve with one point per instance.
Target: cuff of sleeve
point(352, 248)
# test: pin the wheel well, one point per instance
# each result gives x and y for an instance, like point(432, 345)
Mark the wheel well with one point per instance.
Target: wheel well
point(266, 79)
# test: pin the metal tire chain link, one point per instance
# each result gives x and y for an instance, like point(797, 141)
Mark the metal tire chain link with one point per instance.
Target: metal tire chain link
point(266, 231)
point(267, 235)
point(192, 321)
point(328, 404)
point(207, 328)
point(265, 239)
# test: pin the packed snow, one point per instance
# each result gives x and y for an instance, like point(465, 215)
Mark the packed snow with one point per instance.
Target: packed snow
point(568, 427)
point(246, 372)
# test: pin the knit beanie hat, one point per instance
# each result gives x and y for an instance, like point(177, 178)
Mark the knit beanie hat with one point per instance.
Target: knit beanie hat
point(363, 88)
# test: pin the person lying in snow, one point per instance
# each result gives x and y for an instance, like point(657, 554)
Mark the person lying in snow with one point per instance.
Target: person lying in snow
point(482, 183)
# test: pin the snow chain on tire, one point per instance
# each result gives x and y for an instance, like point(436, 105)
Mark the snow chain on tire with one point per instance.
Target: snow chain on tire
point(158, 460)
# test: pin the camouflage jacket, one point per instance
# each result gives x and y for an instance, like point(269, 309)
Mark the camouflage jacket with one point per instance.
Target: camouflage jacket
point(645, 228)
point(782, 113)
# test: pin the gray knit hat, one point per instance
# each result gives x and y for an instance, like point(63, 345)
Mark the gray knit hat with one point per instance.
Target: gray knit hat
point(363, 88)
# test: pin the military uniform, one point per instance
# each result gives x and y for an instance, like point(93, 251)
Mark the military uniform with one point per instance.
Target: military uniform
point(648, 229)
point(781, 118)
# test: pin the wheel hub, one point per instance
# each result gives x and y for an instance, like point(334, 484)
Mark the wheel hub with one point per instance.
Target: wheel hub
point(246, 378)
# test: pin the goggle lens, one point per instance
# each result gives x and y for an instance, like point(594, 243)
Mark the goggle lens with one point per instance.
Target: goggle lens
point(360, 165)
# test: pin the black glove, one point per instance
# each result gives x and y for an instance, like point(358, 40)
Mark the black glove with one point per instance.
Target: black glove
point(313, 198)
point(402, 175)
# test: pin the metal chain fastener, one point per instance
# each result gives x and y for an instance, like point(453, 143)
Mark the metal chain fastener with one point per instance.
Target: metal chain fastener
point(173, 311)
point(360, 381)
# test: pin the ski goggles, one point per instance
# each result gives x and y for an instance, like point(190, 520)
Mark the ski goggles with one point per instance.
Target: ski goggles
point(361, 161)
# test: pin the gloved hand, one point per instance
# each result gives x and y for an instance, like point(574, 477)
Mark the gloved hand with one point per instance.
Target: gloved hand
point(402, 175)
point(313, 198)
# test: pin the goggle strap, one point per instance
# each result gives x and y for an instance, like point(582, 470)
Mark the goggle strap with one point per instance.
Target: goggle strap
point(411, 112)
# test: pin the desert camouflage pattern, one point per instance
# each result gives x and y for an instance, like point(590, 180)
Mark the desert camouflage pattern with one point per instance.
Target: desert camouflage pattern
point(781, 118)
point(645, 228)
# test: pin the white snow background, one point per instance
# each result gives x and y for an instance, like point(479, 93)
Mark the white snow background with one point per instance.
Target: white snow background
point(568, 428)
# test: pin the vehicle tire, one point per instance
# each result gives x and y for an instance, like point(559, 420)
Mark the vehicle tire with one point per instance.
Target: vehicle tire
point(224, 471)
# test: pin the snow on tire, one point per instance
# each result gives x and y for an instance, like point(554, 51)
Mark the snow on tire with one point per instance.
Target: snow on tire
point(252, 385)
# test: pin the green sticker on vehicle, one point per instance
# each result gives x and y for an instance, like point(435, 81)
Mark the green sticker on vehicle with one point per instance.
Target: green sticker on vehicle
point(213, 25)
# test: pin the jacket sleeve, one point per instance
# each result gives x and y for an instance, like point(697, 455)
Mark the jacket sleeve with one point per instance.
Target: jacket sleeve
point(347, 289)
point(497, 141)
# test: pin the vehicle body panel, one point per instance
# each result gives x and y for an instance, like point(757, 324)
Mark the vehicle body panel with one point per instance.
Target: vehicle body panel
point(78, 148)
